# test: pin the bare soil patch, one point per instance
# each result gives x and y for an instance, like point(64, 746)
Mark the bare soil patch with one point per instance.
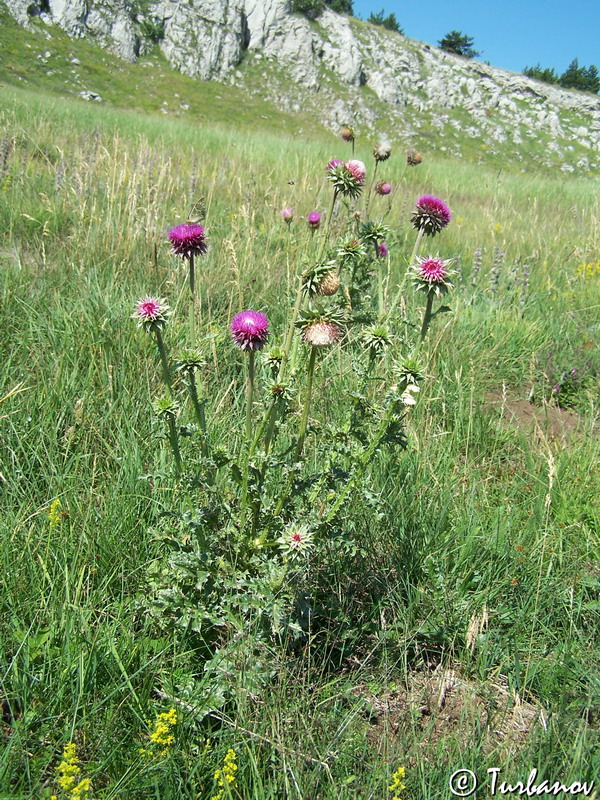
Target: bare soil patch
point(547, 423)
point(439, 705)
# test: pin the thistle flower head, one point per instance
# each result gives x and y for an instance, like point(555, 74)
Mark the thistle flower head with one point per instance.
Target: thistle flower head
point(250, 330)
point(356, 168)
point(321, 333)
point(335, 162)
point(165, 407)
point(382, 250)
point(351, 251)
point(287, 214)
point(347, 133)
point(296, 539)
point(376, 339)
point(345, 181)
point(330, 283)
point(413, 158)
point(314, 219)
point(313, 276)
point(431, 214)
point(431, 274)
point(151, 313)
point(190, 361)
point(383, 188)
point(188, 240)
point(382, 151)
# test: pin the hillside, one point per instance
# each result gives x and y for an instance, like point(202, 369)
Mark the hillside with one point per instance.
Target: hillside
point(329, 72)
point(444, 610)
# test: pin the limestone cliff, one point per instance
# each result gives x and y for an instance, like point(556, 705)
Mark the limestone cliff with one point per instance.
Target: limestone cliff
point(344, 69)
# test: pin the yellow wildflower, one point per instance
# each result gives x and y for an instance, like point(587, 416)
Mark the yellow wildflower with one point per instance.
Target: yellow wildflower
point(162, 736)
point(54, 515)
point(225, 776)
point(397, 785)
point(67, 776)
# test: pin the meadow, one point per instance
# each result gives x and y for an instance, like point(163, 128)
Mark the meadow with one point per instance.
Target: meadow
point(447, 617)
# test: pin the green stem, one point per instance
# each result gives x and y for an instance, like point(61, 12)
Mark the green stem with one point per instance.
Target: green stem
point(249, 397)
point(173, 441)
point(305, 411)
point(192, 283)
point(370, 191)
point(427, 315)
point(164, 362)
point(413, 256)
point(200, 414)
point(302, 432)
point(364, 460)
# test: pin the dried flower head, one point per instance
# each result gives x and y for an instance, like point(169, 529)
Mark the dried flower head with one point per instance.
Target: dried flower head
point(330, 283)
point(287, 214)
point(431, 214)
point(296, 539)
point(188, 240)
point(431, 274)
point(312, 277)
point(321, 333)
point(151, 313)
point(382, 151)
point(250, 330)
point(356, 168)
point(383, 188)
point(347, 133)
point(413, 158)
point(314, 219)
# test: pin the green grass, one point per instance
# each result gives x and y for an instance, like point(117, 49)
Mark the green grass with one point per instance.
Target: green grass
point(149, 86)
point(479, 514)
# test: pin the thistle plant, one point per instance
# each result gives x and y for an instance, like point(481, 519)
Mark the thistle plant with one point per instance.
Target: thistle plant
point(188, 241)
point(431, 275)
point(258, 506)
point(152, 314)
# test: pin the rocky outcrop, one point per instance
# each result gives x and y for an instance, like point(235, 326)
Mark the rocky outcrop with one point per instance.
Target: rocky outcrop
point(341, 68)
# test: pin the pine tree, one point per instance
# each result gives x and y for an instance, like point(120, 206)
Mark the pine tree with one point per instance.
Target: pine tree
point(459, 43)
point(390, 22)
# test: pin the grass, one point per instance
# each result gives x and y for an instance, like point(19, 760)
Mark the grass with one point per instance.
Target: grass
point(483, 518)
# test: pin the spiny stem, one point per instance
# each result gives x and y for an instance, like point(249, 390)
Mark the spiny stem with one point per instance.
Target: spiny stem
point(173, 441)
point(413, 256)
point(192, 283)
point(164, 362)
point(302, 432)
point(370, 191)
point(249, 397)
point(427, 315)
point(305, 412)
point(200, 414)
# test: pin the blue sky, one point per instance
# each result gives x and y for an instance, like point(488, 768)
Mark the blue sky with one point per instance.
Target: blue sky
point(510, 34)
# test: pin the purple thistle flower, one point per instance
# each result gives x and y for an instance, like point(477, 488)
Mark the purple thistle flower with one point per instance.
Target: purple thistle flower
point(151, 313)
point(431, 214)
point(314, 219)
point(335, 162)
point(250, 330)
point(188, 240)
point(287, 214)
point(382, 250)
point(383, 188)
point(357, 169)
